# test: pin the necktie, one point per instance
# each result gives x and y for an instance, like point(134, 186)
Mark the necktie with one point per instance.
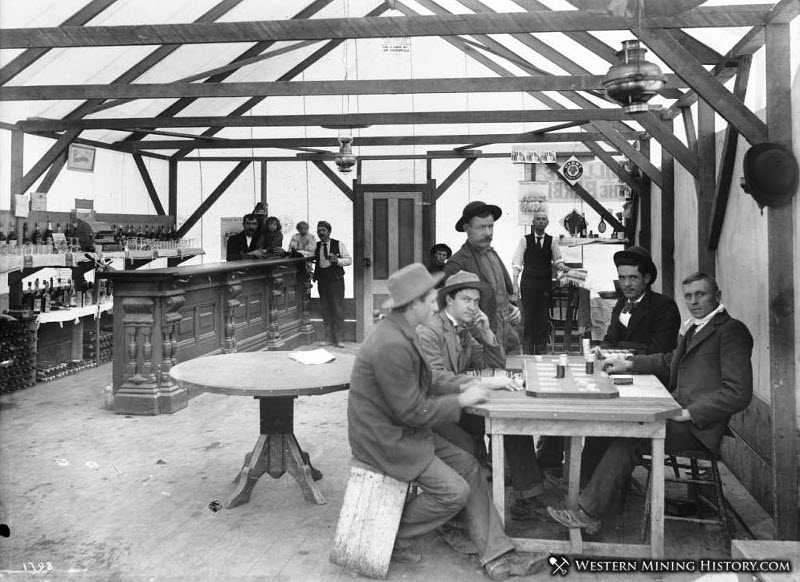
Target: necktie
point(629, 307)
point(539, 242)
point(325, 250)
point(463, 336)
point(690, 333)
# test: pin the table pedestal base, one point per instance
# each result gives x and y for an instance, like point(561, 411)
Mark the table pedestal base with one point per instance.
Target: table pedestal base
point(276, 452)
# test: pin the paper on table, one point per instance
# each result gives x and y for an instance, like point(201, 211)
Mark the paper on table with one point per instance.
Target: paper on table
point(320, 356)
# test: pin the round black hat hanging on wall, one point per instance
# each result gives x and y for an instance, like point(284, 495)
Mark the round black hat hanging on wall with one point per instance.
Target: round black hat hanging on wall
point(770, 174)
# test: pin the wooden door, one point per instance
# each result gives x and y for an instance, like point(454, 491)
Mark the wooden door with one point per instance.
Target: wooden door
point(392, 240)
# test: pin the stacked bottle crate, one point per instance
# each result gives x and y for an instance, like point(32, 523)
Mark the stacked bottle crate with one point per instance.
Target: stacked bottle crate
point(106, 345)
point(17, 355)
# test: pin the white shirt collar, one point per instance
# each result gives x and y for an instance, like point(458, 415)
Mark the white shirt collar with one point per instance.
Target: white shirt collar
point(701, 323)
point(451, 318)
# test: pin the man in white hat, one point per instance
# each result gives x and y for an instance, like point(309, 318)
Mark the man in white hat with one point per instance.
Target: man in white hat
point(391, 412)
point(458, 339)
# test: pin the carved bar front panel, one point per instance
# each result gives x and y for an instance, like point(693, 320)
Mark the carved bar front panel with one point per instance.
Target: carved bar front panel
point(166, 316)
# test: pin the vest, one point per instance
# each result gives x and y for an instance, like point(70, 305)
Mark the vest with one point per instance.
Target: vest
point(538, 262)
point(333, 248)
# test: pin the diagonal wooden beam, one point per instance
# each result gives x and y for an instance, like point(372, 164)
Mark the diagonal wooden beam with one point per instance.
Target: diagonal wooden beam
point(621, 173)
point(52, 173)
point(667, 139)
point(148, 184)
point(326, 28)
point(702, 52)
point(588, 198)
point(57, 149)
point(616, 139)
point(212, 198)
point(288, 76)
point(230, 67)
point(689, 128)
point(30, 56)
point(454, 175)
point(710, 89)
point(337, 181)
point(725, 175)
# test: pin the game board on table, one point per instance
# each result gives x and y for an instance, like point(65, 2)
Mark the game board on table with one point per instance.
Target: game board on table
point(541, 381)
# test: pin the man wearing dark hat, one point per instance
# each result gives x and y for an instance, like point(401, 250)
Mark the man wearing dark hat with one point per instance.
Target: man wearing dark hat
point(459, 339)
point(710, 376)
point(391, 412)
point(440, 253)
point(329, 275)
point(643, 320)
point(477, 256)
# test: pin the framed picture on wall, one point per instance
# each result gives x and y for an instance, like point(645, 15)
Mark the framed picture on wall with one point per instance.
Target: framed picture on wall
point(81, 158)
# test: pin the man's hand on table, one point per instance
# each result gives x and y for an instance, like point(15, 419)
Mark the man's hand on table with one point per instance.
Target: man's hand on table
point(474, 392)
point(498, 383)
point(684, 417)
point(617, 364)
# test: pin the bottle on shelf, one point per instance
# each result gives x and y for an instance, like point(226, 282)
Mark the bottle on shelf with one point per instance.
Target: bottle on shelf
point(58, 298)
point(12, 232)
point(46, 298)
point(36, 235)
point(48, 233)
point(72, 294)
point(26, 239)
point(27, 297)
point(2, 233)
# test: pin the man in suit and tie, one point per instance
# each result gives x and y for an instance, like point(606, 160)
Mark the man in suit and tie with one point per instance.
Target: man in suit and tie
point(643, 320)
point(459, 338)
point(710, 376)
point(332, 257)
point(240, 244)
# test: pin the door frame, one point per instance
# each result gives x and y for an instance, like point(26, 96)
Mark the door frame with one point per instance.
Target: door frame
point(427, 191)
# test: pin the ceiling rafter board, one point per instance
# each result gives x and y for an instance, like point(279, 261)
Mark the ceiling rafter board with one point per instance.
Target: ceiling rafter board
point(322, 28)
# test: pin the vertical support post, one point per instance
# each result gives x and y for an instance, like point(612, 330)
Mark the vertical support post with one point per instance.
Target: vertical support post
point(264, 183)
point(173, 191)
point(782, 249)
point(359, 266)
point(706, 150)
point(15, 175)
point(645, 207)
point(428, 218)
point(668, 220)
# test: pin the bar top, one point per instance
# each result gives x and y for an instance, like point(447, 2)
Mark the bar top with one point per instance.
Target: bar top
point(189, 271)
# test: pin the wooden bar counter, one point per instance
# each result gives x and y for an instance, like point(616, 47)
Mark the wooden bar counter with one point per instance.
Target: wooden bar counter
point(166, 316)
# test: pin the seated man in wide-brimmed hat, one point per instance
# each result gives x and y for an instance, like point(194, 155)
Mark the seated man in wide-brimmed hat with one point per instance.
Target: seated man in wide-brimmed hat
point(477, 256)
point(459, 339)
point(391, 412)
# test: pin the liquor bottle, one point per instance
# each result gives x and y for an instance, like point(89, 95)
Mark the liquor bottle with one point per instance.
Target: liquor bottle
point(2, 233)
point(58, 298)
point(36, 236)
point(27, 298)
point(72, 294)
point(26, 239)
point(47, 299)
point(12, 232)
point(48, 233)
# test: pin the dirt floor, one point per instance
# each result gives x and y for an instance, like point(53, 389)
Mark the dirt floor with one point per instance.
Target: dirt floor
point(91, 495)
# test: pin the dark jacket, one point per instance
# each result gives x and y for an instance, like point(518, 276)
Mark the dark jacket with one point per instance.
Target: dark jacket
point(652, 329)
point(465, 259)
point(237, 247)
point(712, 377)
point(390, 409)
point(448, 360)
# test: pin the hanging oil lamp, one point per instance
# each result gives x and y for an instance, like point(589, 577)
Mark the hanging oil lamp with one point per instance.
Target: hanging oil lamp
point(633, 81)
point(345, 160)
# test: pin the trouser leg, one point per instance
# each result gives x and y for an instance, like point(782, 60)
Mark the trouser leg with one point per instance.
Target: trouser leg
point(526, 478)
point(323, 286)
point(593, 450)
point(480, 516)
point(619, 460)
point(541, 308)
point(550, 451)
point(528, 307)
point(337, 309)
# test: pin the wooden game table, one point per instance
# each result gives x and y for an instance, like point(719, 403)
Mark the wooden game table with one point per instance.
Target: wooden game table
point(276, 381)
point(640, 411)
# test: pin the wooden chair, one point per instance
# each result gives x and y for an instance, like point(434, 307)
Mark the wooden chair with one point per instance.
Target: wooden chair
point(698, 481)
point(368, 522)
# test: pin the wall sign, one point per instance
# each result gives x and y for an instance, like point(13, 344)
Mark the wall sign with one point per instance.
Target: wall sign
point(572, 170)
